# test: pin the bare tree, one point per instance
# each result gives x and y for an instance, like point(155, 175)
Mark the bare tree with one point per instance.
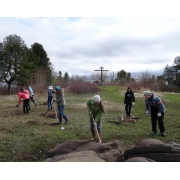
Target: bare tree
point(145, 80)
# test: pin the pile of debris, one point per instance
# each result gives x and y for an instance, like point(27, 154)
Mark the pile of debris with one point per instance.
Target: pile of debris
point(147, 150)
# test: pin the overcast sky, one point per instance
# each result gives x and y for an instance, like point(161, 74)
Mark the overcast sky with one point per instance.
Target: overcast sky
point(79, 45)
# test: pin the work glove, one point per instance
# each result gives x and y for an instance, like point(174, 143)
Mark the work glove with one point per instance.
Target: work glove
point(159, 114)
point(147, 112)
point(17, 105)
point(133, 103)
point(124, 104)
point(95, 124)
point(90, 112)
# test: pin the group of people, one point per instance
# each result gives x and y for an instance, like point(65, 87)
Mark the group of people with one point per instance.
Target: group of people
point(60, 100)
point(153, 104)
point(25, 96)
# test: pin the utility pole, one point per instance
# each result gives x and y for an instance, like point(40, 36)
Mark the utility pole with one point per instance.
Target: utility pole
point(101, 69)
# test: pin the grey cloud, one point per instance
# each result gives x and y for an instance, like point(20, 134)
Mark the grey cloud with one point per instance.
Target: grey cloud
point(74, 43)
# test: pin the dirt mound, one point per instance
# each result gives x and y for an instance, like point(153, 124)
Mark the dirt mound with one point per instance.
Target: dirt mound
point(49, 114)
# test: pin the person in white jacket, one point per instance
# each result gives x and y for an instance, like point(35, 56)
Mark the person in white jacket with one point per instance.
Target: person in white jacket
point(31, 94)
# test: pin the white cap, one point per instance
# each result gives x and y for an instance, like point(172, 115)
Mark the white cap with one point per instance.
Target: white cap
point(147, 93)
point(50, 87)
point(97, 98)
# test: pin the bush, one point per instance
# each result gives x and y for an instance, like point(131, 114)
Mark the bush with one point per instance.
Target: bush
point(3, 91)
point(82, 87)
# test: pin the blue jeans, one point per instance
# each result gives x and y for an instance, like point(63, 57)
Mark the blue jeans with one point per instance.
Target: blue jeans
point(61, 113)
point(50, 102)
point(99, 125)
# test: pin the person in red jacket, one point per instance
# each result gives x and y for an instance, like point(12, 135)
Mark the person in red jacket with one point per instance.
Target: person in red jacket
point(25, 101)
point(22, 90)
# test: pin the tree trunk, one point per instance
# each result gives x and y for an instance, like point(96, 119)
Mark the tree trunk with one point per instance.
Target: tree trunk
point(9, 88)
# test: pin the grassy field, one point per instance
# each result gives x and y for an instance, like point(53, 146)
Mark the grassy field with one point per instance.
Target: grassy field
point(27, 138)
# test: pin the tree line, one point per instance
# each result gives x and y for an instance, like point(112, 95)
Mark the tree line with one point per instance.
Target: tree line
point(22, 65)
point(169, 80)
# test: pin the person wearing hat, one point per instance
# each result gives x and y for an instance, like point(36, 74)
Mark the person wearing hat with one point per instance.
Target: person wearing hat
point(50, 96)
point(95, 109)
point(129, 100)
point(60, 99)
point(157, 109)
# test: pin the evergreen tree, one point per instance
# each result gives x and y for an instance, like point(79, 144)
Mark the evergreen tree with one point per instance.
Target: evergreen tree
point(66, 77)
point(42, 61)
point(28, 68)
point(13, 55)
point(172, 73)
point(123, 77)
point(39, 51)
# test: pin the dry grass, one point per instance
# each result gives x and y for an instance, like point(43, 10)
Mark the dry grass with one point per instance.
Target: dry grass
point(29, 137)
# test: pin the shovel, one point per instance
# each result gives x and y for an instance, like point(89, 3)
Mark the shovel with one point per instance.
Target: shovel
point(57, 121)
point(56, 114)
point(96, 129)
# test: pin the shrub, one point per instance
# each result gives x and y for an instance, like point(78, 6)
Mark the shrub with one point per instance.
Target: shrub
point(82, 87)
point(3, 90)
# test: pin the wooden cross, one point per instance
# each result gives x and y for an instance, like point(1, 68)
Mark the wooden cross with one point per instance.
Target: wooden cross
point(101, 69)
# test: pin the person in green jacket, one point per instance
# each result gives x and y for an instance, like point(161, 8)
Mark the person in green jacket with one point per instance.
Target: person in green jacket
point(95, 109)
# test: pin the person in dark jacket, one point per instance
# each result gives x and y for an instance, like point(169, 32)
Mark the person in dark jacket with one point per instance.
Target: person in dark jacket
point(129, 99)
point(157, 109)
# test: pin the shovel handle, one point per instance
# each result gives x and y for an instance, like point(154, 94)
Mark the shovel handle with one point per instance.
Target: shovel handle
point(56, 113)
point(96, 129)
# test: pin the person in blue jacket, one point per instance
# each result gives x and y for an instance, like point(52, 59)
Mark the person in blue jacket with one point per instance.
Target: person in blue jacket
point(50, 92)
point(155, 105)
point(31, 94)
